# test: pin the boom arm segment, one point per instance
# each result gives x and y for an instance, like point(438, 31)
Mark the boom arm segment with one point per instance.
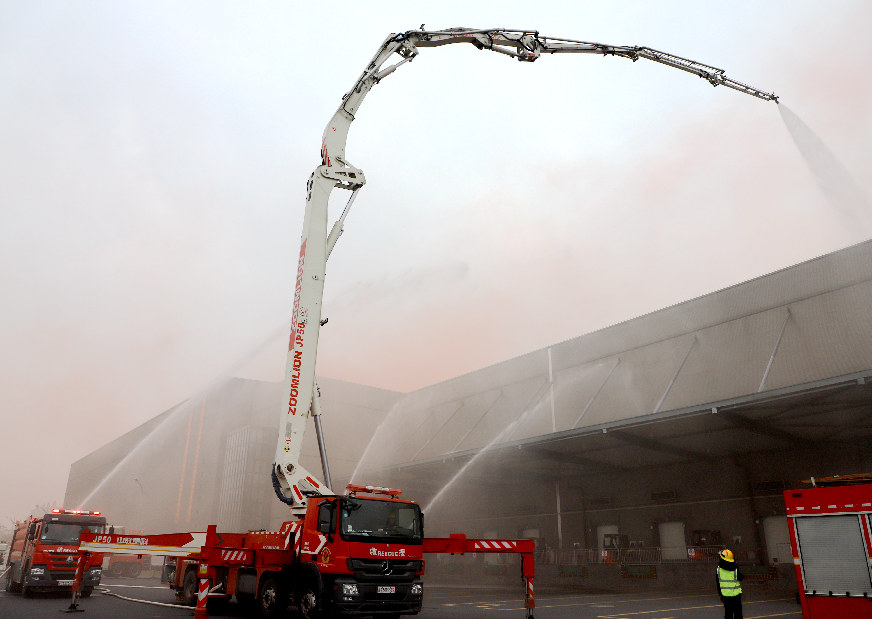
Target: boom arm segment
point(291, 481)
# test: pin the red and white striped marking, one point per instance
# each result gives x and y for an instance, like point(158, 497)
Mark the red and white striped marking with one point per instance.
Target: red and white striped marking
point(494, 545)
point(236, 556)
point(531, 600)
point(292, 529)
point(202, 595)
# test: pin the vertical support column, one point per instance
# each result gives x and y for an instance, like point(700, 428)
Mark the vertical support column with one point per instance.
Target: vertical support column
point(77, 583)
point(528, 568)
point(551, 391)
point(203, 593)
point(559, 518)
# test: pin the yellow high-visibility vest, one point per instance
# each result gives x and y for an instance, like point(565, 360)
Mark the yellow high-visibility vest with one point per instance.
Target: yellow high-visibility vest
point(728, 581)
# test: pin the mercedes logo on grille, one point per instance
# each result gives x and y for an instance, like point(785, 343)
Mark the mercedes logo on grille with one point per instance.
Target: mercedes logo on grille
point(386, 567)
point(70, 560)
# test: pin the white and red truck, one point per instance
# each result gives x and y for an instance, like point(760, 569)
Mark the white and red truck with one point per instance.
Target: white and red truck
point(360, 552)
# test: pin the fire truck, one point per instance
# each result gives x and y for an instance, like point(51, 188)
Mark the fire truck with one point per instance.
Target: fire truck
point(360, 552)
point(829, 526)
point(44, 555)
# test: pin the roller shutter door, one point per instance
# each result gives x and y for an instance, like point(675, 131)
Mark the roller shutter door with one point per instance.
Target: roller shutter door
point(833, 555)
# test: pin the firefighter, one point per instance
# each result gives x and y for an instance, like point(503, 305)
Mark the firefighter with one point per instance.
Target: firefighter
point(728, 578)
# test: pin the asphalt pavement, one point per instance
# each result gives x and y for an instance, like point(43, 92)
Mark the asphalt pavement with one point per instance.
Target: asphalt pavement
point(439, 603)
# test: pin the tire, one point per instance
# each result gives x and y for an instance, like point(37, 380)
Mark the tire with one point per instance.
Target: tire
point(26, 591)
point(190, 588)
point(271, 601)
point(115, 570)
point(132, 570)
point(87, 591)
point(308, 599)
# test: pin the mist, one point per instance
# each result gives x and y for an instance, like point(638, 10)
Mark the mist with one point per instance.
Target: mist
point(153, 161)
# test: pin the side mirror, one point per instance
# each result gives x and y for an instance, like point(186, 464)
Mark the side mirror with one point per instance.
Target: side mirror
point(326, 521)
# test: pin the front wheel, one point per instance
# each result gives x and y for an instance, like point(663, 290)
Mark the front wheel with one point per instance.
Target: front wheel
point(87, 591)
point(271, 602)
point(308, 600)
point(26, 591)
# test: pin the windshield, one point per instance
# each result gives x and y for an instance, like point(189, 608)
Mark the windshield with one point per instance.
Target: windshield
point(67, 532)
point(380, 521)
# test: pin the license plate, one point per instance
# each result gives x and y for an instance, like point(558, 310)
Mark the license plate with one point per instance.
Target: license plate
point(387, 589)
point(65, 583)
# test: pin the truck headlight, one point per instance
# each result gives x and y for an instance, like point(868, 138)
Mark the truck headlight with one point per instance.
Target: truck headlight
point(417, 589)
point(349, 589)
point(37, 571)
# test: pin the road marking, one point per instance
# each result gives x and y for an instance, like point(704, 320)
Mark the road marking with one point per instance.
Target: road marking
point(541, 599)
point(795, 612)
point(672, 610)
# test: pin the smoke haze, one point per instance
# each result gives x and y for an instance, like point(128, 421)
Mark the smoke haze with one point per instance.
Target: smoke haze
point(153, 159)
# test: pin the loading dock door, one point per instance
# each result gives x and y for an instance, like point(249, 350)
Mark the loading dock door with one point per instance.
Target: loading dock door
point(833, 555)
point(673, 546)
point(602, 531)
point(777, 540)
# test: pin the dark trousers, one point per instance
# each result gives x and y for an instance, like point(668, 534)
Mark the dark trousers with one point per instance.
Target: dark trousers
point(732, 607)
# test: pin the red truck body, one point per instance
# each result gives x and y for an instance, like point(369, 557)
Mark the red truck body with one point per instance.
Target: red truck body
point(830, 535)
point(348, 555)
point(44, 553)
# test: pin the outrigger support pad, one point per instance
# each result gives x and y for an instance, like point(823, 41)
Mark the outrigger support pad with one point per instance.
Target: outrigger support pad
point(77, 582)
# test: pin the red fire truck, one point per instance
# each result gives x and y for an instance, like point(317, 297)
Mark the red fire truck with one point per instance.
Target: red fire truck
point(830, 535)
point(44, 552)
point(356, 554)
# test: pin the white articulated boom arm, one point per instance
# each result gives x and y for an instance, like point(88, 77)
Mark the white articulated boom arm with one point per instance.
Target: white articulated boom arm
point(293, 483)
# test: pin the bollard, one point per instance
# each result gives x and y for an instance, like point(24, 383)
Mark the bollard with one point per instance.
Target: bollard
point(77, 583)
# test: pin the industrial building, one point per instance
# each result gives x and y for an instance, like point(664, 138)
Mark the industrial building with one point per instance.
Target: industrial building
point(654, 440)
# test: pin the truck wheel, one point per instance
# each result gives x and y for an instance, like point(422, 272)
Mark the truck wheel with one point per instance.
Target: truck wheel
point(87, 591)
point(189, 588)
point(271, 601)
point(115, 570)
point(133, 569)
point(26, 591)
point(308, 599)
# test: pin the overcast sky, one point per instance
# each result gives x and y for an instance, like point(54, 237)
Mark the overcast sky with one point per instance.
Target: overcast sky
point(153, 158)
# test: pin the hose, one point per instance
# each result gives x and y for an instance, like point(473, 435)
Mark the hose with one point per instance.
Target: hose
point(278, 488)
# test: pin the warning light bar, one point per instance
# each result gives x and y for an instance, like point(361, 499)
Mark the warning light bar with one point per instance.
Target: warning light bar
point(353, 488)
point(77, 512)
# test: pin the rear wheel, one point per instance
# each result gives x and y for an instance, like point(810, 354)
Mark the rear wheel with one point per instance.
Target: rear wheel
point(132, 569)
point(271, 601)
point(189, 588)
point(115, 570)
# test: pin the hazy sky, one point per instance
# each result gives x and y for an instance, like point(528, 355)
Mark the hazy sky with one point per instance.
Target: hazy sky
point(153, 158)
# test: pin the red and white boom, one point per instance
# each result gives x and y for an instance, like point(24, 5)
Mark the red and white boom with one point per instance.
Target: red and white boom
point(292, 482)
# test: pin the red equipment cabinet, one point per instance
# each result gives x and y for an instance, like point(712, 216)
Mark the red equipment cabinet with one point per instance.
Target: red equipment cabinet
point(830, 534)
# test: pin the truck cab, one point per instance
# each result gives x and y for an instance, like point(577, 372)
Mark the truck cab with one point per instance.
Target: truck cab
point(44, 552)
point(361, 556)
